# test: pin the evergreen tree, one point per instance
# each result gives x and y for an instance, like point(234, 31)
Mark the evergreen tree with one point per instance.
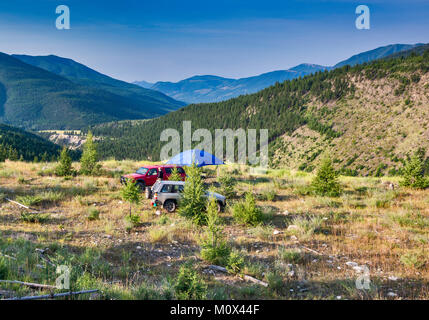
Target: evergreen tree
point(325, 183)
point(214, 247)
point(44, 157)
point(89, 160)
point(3, 153)
point(12, 154)
point(227, 184)
point(413, 174)
point(130, 192)
point(175, 175)
point(65, 166)
point(193, 202)
point(189, 285)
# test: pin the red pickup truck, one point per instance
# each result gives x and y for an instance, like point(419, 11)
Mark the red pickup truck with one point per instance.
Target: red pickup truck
point(146, 176)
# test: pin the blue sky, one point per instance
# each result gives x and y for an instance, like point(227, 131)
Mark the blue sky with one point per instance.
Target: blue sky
point(169, 40)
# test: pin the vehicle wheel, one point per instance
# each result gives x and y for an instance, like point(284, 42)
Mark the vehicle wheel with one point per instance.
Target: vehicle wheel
point(141, 185)
point(170, 206)
point(219, 207)
point(148, 193)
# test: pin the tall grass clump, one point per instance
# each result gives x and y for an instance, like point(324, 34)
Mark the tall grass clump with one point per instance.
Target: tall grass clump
point(268, 194)
point(290, 255)
point(307, 226)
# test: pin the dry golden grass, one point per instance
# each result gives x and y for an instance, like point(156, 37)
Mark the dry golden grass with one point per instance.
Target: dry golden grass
point(388, 231)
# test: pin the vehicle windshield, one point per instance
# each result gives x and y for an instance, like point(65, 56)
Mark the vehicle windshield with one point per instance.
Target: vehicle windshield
point(155, 187)
point(141, 170)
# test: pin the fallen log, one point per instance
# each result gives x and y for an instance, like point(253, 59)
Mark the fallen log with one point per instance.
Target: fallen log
point(29, 284)
point(20, 204)
point(246, 277)
point(52, 296)
point(218, 268)
point(6, 256)
point(311, 250)
point(254, 280)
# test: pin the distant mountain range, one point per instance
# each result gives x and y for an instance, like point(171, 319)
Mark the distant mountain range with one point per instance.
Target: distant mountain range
point(50, 92)
point(208, 88)
point(367, 118)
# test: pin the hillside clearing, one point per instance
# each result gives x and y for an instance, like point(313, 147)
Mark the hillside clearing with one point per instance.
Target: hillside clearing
point(309, 247)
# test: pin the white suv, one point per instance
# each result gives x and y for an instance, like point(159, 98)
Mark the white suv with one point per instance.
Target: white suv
point(169, 194)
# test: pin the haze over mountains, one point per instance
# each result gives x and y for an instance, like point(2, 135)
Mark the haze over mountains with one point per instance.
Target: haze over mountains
point(50, 92)
point(209, 88)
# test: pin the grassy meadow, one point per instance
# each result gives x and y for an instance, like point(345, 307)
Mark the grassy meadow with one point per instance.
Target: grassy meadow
point(307, 246)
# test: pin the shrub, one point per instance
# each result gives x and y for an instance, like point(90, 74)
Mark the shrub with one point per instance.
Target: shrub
point(30, 200)
point(89, 161)
point(214, 248)
point(93, 214)
point(235, 262)
point(4, 269)
point(326, 181)
point(65, 166)
point(275, 281)
point(247, 212)
point(227, 184)
point(413, 173)
point(193, 202)
point(132, 221)
point(34, 217)
point(189, 285)
point(412, 259)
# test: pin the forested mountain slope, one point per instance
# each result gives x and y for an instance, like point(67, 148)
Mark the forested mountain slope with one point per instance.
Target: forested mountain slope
point(18, 144)
point(152, 102)
point(366, 117)
point(34, 98)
